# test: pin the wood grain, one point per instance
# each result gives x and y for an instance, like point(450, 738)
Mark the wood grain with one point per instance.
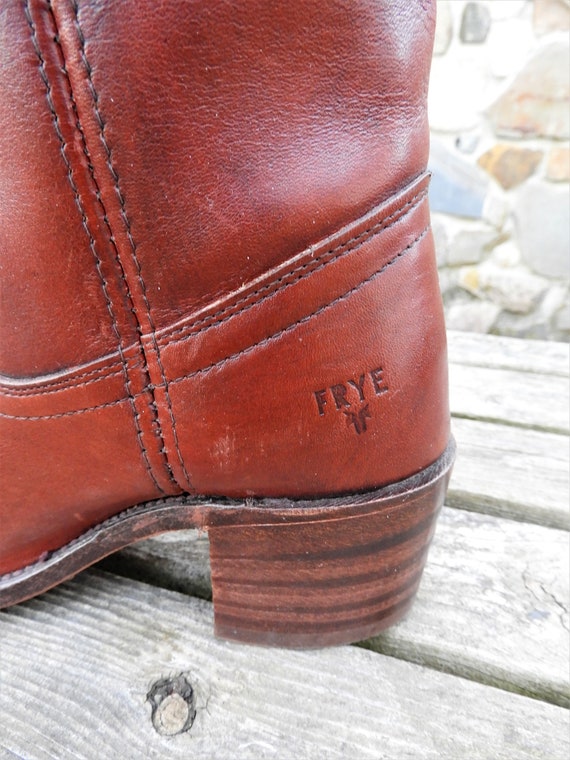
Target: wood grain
point(493, 606)
point(501, 471)
point(95, 647)
point(498, 352)
point(325, 581)
point(524, 399)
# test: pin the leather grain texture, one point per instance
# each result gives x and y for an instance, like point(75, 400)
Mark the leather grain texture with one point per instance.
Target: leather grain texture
point(217, 269)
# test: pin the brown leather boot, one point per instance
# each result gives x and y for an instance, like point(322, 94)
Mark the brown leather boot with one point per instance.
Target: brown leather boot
point(220, 304)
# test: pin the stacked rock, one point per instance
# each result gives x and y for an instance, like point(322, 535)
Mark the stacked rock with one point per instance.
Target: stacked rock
point(500, 195)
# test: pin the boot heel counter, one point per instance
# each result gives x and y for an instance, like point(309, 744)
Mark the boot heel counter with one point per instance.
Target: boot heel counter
point(331, 378)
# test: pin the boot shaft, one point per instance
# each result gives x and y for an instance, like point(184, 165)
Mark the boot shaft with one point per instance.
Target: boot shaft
point(210, 141)
point(218, 274)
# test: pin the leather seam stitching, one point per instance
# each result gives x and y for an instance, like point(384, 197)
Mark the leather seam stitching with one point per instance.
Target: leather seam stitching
point(254, 346)
point(71, 413)
point(56, 387)
point(306, 318)
point(79, 202)
point(349, 246)
point(126, 221)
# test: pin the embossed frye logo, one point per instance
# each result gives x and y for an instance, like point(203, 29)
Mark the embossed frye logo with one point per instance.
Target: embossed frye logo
point(352, 398)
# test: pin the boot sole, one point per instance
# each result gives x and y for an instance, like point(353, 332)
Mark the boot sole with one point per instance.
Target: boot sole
point(285, 573)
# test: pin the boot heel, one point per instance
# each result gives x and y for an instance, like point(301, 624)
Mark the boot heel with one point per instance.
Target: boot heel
point(336, 571)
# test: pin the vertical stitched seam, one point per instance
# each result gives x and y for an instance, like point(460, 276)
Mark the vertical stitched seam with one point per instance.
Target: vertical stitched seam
point(85, 225)
point(133, 247)
point(98, 194)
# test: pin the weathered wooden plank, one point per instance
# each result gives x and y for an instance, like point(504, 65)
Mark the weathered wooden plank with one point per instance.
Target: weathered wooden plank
point(544, 357)
point(77, 666)
point(526, 399)
point(500, 471)
point(493, 604)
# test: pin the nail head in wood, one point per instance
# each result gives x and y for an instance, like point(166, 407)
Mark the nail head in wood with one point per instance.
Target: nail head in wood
point(173, 705)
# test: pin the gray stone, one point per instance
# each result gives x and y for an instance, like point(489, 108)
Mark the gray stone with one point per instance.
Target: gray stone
point(473, 316)
point(562, 319)
point(496, 207)
point(546, 322)
point(517, 326)
point(470, 242)
point(542, 216)
point(512, 288)
point(448, 283)
point(475, 23)
point(456, 187)
point(461, 241)
point(553, 301)
point(536, 102)
point(443, 28)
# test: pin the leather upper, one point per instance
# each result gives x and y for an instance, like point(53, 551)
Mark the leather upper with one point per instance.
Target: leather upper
point(216, 265)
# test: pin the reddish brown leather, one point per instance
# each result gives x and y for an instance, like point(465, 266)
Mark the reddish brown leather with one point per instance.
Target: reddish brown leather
point(217, 270)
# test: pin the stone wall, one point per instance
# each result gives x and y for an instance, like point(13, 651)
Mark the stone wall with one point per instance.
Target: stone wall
point(500, 195)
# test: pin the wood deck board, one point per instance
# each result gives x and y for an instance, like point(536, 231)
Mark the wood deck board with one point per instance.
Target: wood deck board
point(95, 647)
point(493, 606)
point(473, 349)
point(532, 400)
point(500, 471)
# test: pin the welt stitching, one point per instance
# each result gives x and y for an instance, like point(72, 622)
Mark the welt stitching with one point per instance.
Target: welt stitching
point(47, 390)
point(97, 372)
point(79, 202)
point(126, 221)
point(306, 318)
point(341, 250)
point(249, 349)
point(71, 413)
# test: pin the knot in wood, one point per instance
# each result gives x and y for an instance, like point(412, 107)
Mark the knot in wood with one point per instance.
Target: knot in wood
point(173, 705)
